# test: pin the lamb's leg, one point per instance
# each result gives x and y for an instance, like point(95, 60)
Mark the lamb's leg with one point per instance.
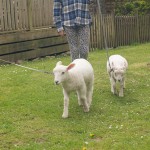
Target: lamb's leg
point(112, 82)
point(124, 85)
point(66, 104)
point(113, 86)
point(89, 93)
point(121, 89)
point(82, 97)
point(79, 100)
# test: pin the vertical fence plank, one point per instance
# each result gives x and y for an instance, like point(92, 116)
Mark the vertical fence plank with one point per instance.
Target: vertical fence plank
point(12, 12)
point(116, 35)
point(128, 23)
point(16, 13)
point(35, 6)
point(23, 6)
point(148, 27)
point(50, 11)
point(26, 15)
point(5, 15)
point(1, 17)
point(91, 34)
point(40, 8)
point(113, 31)
point(30, 10)
point(20, 15)
point(99, 32)
point(8, 14)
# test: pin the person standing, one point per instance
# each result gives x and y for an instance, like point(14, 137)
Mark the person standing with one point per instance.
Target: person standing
point(72, 17)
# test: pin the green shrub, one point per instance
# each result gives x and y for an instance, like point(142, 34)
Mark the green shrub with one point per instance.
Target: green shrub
point(131, 8)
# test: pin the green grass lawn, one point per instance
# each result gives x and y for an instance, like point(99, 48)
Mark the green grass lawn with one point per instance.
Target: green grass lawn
point(31, 107)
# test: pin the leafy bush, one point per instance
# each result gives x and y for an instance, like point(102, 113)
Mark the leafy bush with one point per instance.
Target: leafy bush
point(131, 8)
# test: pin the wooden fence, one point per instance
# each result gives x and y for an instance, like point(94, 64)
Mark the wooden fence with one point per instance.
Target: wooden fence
point(30, 45)
point(22, 15)
point(26, 30)
point(119, 30)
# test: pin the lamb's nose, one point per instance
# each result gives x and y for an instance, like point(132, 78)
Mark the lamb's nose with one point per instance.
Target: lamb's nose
point(56, 82)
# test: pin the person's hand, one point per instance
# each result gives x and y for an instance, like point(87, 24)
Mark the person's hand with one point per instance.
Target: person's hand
point(61, 33)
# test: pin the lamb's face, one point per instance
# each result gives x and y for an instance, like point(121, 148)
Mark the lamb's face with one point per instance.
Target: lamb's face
point(119, 75)
point(60, 74)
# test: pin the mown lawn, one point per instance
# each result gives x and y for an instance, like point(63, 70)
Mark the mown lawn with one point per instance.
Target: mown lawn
point(31, 107)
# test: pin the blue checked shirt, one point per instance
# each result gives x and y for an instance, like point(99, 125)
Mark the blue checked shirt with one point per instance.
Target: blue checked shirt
point(71, 13)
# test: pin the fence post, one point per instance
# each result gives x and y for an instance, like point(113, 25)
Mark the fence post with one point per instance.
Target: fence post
point(138, 27)
point(29, 9)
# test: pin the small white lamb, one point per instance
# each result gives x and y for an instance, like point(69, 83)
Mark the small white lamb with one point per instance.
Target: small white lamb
point(79, 77)
point(116, 68)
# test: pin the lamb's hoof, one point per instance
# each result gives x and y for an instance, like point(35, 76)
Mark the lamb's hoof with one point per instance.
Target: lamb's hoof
point(86, 109)
point(121, 95)
point(114, 93)
point(80, 104)
point(64, 116)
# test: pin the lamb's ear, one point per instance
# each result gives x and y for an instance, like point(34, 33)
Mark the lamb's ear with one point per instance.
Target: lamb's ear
point(70, 66)
point(113, 66)
point(59, 63)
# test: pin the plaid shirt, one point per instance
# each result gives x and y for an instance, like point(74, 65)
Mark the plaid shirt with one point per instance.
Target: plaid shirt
point(71, 13)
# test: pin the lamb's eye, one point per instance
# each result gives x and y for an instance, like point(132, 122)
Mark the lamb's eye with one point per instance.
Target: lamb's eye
point(63, 73)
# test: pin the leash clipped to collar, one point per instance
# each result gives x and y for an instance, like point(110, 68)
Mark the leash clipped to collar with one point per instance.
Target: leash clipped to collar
point(33, 69)
point(111, 70)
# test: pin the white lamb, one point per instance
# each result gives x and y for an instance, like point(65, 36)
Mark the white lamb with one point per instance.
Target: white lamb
point(116, 68)
point(79, 77)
